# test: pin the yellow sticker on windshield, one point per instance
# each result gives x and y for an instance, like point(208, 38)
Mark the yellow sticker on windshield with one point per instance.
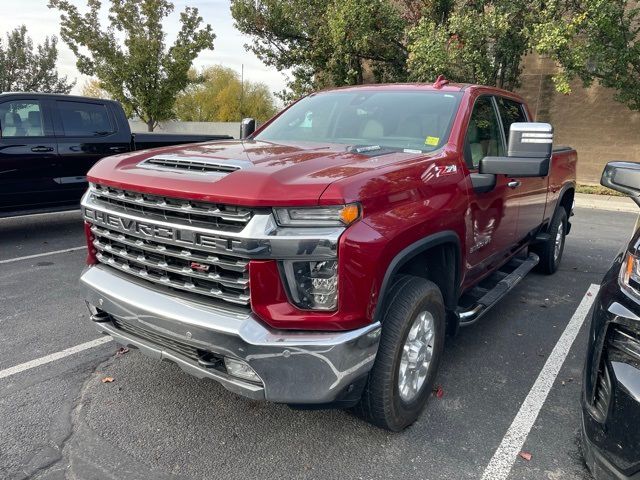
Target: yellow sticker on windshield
point(433, 141)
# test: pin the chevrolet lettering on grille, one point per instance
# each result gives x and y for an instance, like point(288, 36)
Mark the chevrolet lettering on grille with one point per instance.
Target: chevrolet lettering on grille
point(179, 236)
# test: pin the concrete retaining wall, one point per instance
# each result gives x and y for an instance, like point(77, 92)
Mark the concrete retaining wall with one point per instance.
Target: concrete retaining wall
point(204, 128)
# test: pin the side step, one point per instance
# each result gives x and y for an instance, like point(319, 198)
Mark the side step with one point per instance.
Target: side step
point(469, 316)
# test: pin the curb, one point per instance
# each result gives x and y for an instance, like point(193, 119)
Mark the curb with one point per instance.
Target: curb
point(606, 202)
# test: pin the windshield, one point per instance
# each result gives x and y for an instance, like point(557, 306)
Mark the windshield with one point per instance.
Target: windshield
point(405, 120)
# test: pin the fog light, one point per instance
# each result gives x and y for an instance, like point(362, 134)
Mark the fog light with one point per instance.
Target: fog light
point(313, 285)
point(240, 369)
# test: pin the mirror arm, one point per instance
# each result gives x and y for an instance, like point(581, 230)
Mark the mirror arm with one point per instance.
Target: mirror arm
point(483, 182)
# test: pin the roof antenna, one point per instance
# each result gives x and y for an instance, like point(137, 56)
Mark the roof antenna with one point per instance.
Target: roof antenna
point(440, 82)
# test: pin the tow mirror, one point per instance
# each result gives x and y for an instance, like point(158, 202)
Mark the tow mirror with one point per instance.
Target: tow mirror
point(623, 177)
point(247, 127)
point(529, 155)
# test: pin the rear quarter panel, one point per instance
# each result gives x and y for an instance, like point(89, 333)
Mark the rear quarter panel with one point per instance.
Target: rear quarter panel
point(562, 176)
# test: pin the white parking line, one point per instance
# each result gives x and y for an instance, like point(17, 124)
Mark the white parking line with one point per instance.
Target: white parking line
point(53, 357)
point(44, 254)
point(506, 454)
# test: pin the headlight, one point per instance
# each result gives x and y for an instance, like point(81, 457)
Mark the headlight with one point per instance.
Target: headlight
point(334, 215)
point(630, 275)
point(313, 285)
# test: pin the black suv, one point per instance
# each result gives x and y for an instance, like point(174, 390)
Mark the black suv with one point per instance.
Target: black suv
point(611, 387)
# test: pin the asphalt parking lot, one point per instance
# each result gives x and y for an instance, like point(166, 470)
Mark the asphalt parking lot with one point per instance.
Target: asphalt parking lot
point(59, 420)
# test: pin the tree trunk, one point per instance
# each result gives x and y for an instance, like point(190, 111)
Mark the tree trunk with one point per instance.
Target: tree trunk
point(151, 124)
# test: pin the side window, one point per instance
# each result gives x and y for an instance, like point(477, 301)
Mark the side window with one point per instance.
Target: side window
point(84, 119)
point(484, 138)
point(21, 118)
point(510, 112)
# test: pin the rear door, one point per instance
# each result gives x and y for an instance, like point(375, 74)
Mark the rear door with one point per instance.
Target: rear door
point(28, 156)
point(492, 216)
point(87, 131)
point(530, 193)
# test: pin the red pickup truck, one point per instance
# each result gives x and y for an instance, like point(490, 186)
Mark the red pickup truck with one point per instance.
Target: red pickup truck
point(321, 260)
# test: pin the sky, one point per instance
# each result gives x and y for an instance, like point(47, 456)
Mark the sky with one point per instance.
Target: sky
point(228, 48)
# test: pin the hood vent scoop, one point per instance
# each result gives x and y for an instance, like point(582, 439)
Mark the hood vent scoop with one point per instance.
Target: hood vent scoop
point(197, 165)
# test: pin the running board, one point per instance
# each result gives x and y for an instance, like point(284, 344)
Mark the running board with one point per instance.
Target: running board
point(471, 315)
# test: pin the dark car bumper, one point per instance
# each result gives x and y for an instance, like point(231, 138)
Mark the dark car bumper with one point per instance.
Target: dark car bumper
point(611, 387)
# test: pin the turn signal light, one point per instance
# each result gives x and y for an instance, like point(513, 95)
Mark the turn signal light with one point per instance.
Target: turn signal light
point(349, 214)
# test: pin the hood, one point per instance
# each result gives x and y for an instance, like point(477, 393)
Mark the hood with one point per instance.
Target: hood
point(268, 174)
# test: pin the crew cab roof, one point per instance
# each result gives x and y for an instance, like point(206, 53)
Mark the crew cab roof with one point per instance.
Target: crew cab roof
point(60, 96)
point(448, 87)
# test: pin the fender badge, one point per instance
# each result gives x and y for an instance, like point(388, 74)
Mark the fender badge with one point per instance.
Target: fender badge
point(442, 170)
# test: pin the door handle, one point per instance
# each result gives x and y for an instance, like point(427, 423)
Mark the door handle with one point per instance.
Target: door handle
point(41, 149)
point(117, 149)
point(514, 184)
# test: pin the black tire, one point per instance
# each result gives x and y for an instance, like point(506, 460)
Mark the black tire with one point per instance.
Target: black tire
point(549, 262)
point(381, 403)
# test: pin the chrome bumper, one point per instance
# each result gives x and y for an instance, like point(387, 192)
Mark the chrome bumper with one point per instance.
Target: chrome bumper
point(295, 367)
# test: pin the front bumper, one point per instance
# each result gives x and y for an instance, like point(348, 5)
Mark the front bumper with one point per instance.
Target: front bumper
point(294, 367)
point(611, 439)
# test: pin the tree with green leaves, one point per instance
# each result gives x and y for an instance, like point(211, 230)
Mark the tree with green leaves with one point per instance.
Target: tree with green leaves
point(474, 42)
point(140, 72)
point(25, 69)
point(594, 40)
point(325, 43)
point(217, 94)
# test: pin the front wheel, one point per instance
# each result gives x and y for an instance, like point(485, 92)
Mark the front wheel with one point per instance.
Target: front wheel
point(411, 345)
point(551, 251)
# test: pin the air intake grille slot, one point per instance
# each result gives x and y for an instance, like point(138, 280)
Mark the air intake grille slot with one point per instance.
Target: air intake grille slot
point(626, 344)
point(189, 165)
point(170, 344)
point(602, 394)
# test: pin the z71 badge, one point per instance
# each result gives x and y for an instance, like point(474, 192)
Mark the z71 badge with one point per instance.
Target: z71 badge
point(442, 170)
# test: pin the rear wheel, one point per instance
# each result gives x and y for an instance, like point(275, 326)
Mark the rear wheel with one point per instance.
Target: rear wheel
point(550, 252)
point(409, 353)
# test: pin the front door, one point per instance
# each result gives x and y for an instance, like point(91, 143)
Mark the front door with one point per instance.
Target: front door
point(28, 155)
point(529, 192)
point(492, 216)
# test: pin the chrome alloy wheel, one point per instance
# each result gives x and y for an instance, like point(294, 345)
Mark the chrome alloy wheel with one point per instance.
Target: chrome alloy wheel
point(416, 356)
point(558, 244)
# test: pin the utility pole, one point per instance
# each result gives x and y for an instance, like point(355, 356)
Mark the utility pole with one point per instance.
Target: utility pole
point(241, 91)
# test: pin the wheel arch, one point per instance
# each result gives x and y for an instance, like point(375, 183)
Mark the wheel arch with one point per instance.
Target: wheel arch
point(436, 251)
point(566, 197)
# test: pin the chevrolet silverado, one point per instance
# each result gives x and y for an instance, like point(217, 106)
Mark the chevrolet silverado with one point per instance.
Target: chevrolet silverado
point(321, 260)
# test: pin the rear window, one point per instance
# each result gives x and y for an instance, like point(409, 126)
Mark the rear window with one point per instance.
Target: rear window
point(21, 118)
point(84, 119)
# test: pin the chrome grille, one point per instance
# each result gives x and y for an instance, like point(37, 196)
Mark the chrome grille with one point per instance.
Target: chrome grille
point(219, 277)
point(180, 211)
